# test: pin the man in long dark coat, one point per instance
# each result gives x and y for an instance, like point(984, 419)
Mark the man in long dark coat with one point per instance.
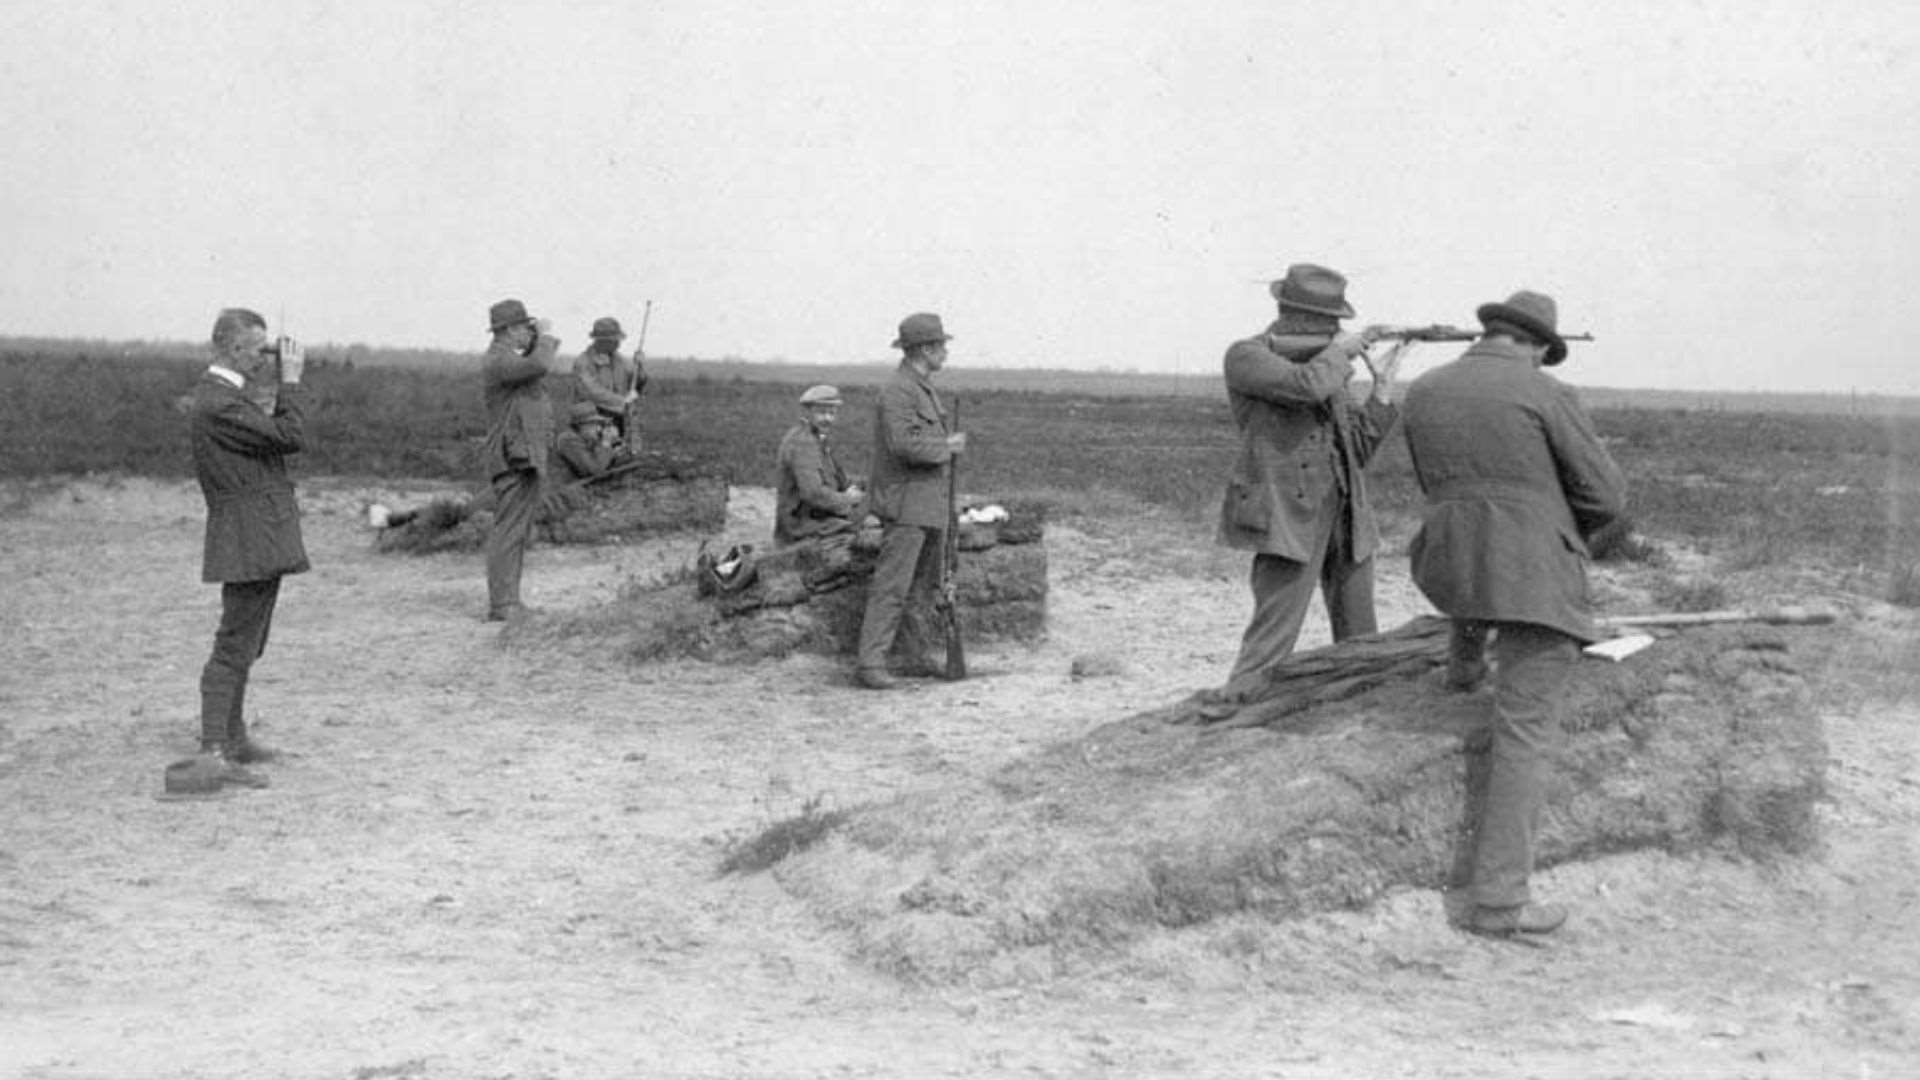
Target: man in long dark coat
point(253, 521)
point(1516, 480)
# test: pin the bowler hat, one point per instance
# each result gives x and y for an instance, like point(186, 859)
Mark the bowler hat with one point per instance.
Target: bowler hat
point(820, 395)
point(1313, 289)
point(581, 412)
point(507, 313)
point(922, 328)
point(1537, 314)
point(607, 327)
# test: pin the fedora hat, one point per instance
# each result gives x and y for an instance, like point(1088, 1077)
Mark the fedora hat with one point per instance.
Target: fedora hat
point(507, 313)
point(821, 395)
point(922, 328)
point(607, 327)
point(1536, 313)
point(1314, 289)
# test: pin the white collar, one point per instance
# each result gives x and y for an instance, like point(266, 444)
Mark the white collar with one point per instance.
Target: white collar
point(228, 374)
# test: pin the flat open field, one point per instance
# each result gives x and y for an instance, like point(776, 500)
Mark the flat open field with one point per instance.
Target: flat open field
point(481, 862)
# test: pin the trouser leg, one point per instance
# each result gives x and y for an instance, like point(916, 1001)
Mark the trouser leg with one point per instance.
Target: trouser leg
point(894, 575)
point(1282, 589)
point(920, 631)
point(246, 611)
point(1466, 654)
point(1531, 668)
point(517, 500)
point(1347, 585)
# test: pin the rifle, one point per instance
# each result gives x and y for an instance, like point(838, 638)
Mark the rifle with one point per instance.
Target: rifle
point(630, 419)
point(949, 601)
point(1785, 616)
point(1441, 332)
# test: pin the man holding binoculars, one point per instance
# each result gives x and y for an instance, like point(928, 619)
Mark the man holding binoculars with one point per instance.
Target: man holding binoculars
point(247, 420)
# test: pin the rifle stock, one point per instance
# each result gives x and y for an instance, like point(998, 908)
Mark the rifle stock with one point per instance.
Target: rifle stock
point(950, 567)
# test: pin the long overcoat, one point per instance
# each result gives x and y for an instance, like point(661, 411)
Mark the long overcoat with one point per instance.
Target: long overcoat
point(519, 412)
point(240, 457)
point(910, 455)
point(1302, 442)
point(1516, 480)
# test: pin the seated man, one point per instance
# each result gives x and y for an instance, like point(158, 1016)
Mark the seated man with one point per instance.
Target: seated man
point(815, 500)
point(587, 447)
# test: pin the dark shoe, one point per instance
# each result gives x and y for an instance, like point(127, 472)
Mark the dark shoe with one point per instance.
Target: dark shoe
point(206, 773)
point(513, 614)
point(238, 776)
point(923, 668)
point(875, 679)
point(249, 752)
point(1524, 919)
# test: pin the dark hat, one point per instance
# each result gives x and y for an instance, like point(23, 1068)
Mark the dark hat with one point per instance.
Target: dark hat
point(820, 395)
point(507, 313)
point(1313, 288)
point(922, 328)
point(581, 412)
point(1537, 314)
point(607, 327)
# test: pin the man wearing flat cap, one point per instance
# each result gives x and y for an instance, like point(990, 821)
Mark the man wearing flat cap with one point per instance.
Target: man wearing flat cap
point(814, 498)
point(1516, 481)
point(611, 381)
point(1297, 496)
point(519, 442)
point(913, 448)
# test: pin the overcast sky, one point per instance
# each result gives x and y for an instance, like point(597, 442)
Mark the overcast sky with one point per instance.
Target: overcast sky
point(1722, 192)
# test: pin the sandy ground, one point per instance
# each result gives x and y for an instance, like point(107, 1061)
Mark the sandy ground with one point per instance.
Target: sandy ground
point(476, 862)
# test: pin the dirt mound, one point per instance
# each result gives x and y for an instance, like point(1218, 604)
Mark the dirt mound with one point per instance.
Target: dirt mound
point(1057, 862)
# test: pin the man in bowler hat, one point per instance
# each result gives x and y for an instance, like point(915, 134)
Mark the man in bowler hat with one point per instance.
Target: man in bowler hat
point(240, 452)
point(1297, 496)
point(914, 445)
point(611, 381)
point(519, 442)
point(1516, 481)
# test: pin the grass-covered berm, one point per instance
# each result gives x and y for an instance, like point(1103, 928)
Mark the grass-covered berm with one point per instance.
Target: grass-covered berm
point(1064, 861)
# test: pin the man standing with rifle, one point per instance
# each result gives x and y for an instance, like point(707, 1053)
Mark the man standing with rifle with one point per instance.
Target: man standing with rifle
point(914, 447)
point(611, 381)
point(1297, 496)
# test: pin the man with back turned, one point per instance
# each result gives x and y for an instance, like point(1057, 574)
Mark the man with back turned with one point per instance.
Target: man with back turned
point(1516, 481)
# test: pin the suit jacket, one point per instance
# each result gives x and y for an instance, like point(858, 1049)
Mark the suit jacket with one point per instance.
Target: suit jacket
point(602, 379)
point(810, 489)
point(910, 455)
point(1304, 447)
point(1515, 480)
point(519, 414)
point(240, 457)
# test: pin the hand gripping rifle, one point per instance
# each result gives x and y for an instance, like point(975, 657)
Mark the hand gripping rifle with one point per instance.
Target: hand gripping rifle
point(948, 602)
